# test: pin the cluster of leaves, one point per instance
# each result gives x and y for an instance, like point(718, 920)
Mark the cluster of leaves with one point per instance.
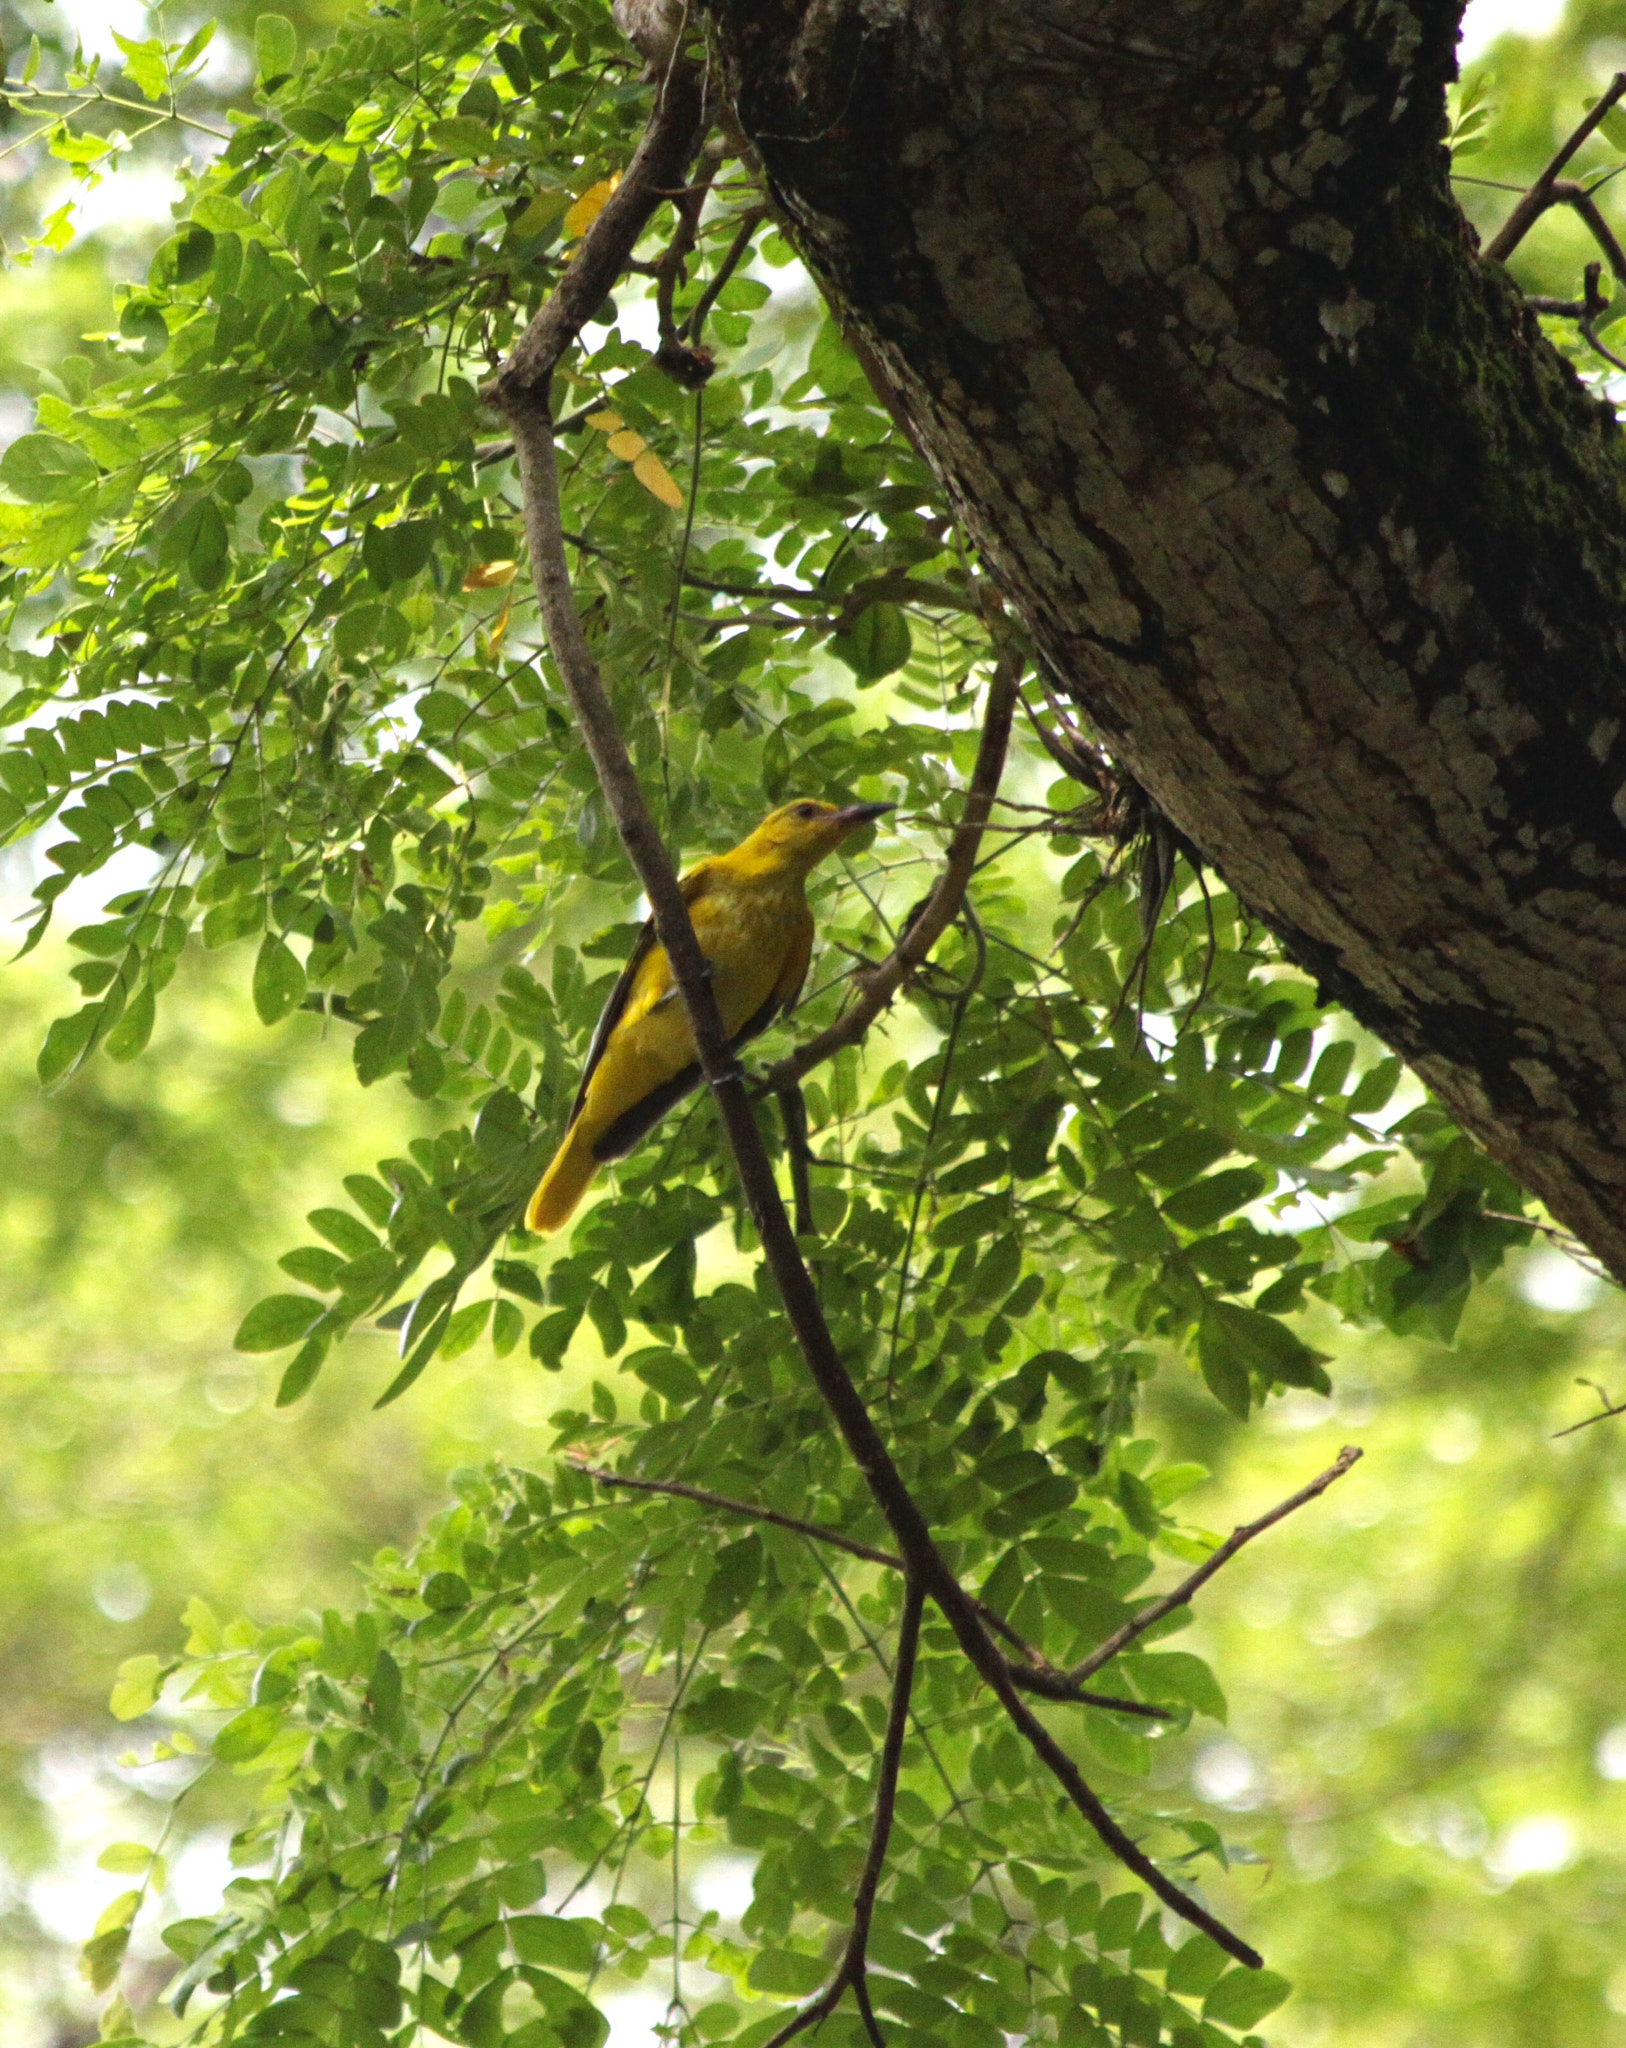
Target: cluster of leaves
point(546, 1708)
point(274, 544)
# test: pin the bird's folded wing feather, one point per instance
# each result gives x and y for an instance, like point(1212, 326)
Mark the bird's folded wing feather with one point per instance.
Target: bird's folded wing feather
point(691, 887)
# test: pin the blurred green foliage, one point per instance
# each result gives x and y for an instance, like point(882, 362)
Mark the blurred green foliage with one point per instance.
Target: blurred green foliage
point(1410, 1804)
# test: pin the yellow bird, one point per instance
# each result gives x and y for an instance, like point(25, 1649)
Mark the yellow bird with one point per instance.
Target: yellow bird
point(750, 914)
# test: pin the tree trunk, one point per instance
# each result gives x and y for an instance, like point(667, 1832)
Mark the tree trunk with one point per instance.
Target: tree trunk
point(1324, 537)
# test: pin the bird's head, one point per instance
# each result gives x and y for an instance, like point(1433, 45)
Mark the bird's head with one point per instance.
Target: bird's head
point(800, 834)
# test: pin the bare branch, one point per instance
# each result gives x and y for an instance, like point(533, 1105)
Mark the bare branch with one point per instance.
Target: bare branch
point(695, 326)
point(1606, 1413)
point(1149, 1616)
point(850, 1971)
point(793, 1115)
point(878, 986)
point(1542, 193)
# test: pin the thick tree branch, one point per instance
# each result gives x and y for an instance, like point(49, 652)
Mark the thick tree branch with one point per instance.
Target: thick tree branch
point(1291, 494)
point(1181, 1596)
point(850, 1973)
point(877, 986)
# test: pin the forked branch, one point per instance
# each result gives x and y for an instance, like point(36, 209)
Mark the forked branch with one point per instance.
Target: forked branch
point(1552, 188)
point(1034, 1675)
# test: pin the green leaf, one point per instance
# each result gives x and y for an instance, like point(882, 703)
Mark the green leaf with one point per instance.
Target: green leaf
point(127, 1859)
point(276, 47)
point(445, 1590)
point(278, 1320)
point(787, 1972)
point(732, 1581)
point(876, 644)
point(1177, 1675)
point(145, 66)
point(66, 1043)
point(102, 1956)
point(553, 1944)
point(1201, 1205)
point(136, 1688)
point(302, 1371)
point(43, 469)
point(1243, 1997)
point(248, 1734)
point(279, 981)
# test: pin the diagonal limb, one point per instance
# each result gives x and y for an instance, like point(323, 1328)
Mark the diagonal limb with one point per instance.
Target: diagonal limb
point(1148, 1617)
point(878, 985)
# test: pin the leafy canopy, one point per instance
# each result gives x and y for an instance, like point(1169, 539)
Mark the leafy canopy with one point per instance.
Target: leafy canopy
point(274, 654)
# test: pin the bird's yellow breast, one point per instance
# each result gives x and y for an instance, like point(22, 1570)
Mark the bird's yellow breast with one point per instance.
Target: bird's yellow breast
point(749, 927)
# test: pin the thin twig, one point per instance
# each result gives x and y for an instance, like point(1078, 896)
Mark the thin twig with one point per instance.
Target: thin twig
point(1036, 1676)
point(1608, 1410)
point(880, 984)
point(694, 327)
point(685, 365)
point(1542, 194)
point(850, 1972)
point(523, 397)
point(793, 1114)
point(1148, 1617)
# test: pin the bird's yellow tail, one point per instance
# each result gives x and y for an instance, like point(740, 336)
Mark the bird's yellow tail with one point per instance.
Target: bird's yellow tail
point(564, 1183)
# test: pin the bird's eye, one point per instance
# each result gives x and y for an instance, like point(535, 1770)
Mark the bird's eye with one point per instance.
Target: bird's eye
point(807, 810)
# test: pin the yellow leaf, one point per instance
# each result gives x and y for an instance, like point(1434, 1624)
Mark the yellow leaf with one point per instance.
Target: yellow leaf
point(499, 628)
point(590, 205)
point(655, 477)
point(627, 445)
point(606, 422)
point(490, 575)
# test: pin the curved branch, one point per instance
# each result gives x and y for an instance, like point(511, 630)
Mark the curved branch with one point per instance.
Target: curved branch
point(523, 398)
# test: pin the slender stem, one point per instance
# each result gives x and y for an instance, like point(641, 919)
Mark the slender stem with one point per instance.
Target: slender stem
point(1541, 194)
point(793, 1114)
point(1150, 1616)
point(750, 221)
point(850, 1973)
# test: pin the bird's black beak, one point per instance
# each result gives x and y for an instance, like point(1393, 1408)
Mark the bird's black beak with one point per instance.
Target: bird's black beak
point(862, 814)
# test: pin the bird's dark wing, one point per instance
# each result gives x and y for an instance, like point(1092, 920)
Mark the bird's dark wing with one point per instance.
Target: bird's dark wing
point(610, 1015)
point(692, 886)
point(632, 1124)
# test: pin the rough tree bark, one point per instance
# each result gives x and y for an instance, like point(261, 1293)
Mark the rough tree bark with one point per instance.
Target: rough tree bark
point(1326, 540)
